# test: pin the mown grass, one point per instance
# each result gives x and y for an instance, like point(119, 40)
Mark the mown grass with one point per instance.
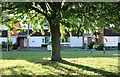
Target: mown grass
point(76, 62)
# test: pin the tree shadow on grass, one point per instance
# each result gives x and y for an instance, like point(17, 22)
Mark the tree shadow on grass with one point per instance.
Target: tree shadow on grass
point(56, 65)
point(87, 68)
point(62, 68)
point(80, 74)
point(17, 71)
point(23, 72)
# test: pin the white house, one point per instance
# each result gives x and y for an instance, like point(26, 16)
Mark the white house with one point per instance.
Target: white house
point(39, 40)
point(111, 39)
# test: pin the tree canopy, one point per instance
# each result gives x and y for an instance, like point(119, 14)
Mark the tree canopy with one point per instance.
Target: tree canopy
point(100, 14)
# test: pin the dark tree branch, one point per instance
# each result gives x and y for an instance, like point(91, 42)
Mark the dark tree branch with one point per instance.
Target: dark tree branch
point(37, 10)
point(51, 5)
point(43, 6)
point(55, 6)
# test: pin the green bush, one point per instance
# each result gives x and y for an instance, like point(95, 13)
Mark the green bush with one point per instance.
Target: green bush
point(10, 43)
point(100, 46)
point(15, 46)
point(119, 46)
point(91, 45)
point(4, 44)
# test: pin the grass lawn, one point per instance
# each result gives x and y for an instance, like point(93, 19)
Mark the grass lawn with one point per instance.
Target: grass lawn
point(76, 63)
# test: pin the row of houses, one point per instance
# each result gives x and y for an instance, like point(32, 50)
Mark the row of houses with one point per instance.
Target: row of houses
point(38, 40)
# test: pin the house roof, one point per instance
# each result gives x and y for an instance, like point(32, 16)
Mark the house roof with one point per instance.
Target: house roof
point(73, 33)
point(24, 34)
point(110, 33)
point(39, 33)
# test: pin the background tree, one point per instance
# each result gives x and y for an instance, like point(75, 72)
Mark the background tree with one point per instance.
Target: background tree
point(61, 15)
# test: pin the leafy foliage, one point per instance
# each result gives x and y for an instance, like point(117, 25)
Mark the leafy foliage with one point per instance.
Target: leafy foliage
point(91, 45)
point(15, 46)
point(88, 14)
point(4, 44)
point(100, 46)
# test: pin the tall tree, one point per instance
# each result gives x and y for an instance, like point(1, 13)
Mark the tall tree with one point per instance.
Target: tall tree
point(61, 15)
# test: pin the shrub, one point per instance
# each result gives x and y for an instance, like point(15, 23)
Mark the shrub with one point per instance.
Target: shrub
point(15, 46)
point(119, 46)
point(85, 46)
point(4, 44)
point(100, 46)
point(10, 44)
point(91, 45)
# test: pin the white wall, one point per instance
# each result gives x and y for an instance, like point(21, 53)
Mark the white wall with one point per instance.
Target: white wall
point(76, 42)
point(34, 41)
point(3, 39)
point(111, 40)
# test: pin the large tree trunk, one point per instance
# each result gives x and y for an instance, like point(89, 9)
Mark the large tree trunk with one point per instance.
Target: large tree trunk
point(55, 33)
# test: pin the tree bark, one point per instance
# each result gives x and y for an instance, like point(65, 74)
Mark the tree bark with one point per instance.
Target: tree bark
point(55, 33)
